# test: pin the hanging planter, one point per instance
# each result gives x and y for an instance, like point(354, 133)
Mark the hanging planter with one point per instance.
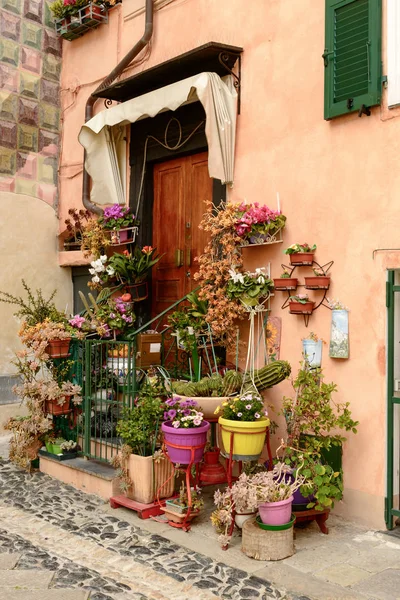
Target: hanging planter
point(52, 407)
point(185, 445)
point(300, 305)
point(123, 236)
point(138, 291)
point(301, 254)
point(321, 282)
point(286, 283)
point(248, 437)
point(58, 348)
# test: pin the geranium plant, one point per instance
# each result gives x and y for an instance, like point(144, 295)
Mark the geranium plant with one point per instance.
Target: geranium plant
point(253, 220)
point(300, 298)
point(250, 288)
point(300, 248)
point(246, 407)
point(183, 413)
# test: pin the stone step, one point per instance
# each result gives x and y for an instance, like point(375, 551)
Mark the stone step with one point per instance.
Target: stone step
point(8, 561)
point(27, 579)
point(51, 594)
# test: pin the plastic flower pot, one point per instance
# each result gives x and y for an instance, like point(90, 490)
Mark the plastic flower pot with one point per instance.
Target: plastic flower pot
point(313, 352)
point(286, 283)
point(276, 527)
point(276, 513)
point(301, 258)
point(317, 283)
point(298, 308)
point(248, 438)
point(58, 348)
point(186, 439)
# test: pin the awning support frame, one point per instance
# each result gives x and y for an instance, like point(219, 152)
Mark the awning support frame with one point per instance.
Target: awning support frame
point(223, 59)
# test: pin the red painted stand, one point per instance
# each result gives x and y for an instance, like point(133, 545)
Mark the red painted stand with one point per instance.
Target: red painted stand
point(145, 511)
point(319, 516)
point(230, 464)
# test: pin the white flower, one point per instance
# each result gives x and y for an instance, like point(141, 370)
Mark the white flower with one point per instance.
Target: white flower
point(103, 258)
point(236, 277)
point(96, 279)
point(92, 271)
point(260, 270)
point(110, 270)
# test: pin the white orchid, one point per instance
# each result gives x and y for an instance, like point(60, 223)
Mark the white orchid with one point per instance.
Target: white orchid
point(103, 258)
point(110, 271)
point(236, 277)
point(96, 279)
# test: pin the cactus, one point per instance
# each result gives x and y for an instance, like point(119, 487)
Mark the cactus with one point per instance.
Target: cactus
point(231, 383)
point(270, 375)
point(203, 387)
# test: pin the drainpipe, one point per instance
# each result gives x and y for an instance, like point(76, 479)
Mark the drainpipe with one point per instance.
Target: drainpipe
point(138, 47)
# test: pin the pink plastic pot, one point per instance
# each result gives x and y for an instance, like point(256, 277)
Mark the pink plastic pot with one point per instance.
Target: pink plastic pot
point(276, 513)
point(186, 439)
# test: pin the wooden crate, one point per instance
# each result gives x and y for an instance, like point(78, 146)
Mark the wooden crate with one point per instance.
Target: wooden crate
point(148, 350)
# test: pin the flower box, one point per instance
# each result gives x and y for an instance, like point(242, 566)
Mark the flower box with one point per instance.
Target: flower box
point(53, 408)
point(301, 258)
point(86, 18)
point(321, 282)
point(286, 283)
point(123, 236)
point(58, 348)
point(299, 308)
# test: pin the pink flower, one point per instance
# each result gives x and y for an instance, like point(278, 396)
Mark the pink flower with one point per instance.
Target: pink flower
point(77, 321)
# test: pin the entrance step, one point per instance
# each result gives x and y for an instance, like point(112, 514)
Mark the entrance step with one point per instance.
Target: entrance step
point(87, 475)
point(26, 579)
point(51, 594)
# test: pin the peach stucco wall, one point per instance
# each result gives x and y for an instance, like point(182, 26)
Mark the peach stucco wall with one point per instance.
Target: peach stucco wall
point(338, 183)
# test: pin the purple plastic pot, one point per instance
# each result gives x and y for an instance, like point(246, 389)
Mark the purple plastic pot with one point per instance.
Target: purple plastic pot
point(186, 439)
point(276, 513)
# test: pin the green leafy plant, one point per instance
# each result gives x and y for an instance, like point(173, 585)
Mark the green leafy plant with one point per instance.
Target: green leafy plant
point(249, 288)
point(300, 298)
point(285, 274)
point(189, 321)
point(140, 426)
point(300, 248)
point(313, 419)
point(35, 308)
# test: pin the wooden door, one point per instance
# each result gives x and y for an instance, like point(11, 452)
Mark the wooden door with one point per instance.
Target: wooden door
point(181, 187)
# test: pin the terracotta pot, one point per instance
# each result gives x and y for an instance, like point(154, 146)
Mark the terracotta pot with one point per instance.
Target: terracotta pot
point(317, 283)
point(93, 12)
point(301, 258)
point(53, 408)
point(179, 517)
point(296, 308)
point(58, 348)
point(148, 478)
point(288, 283)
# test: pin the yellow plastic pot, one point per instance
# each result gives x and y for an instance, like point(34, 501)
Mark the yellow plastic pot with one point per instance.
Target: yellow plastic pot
point(248, 439)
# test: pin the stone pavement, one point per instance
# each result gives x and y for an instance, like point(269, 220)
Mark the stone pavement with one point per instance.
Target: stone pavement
point(116, 556)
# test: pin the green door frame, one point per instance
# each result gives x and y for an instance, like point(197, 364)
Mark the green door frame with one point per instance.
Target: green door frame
point(392, 399)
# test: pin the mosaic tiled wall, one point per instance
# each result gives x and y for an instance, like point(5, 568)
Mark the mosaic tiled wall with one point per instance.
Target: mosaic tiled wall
point(30, 66)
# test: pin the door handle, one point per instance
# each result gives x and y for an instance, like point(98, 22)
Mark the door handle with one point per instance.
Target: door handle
point(178, 257)
point(188, 257)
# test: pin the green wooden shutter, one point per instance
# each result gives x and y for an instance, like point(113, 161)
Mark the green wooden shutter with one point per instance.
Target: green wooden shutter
point(352, 55)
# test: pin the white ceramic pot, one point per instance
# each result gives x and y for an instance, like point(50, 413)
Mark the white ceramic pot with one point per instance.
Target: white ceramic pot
point(241, 518)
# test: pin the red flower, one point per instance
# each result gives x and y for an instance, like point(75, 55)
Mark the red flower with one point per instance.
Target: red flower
point(147, 249)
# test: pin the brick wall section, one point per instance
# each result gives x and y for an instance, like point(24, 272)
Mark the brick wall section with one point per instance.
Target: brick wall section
point(30, 66)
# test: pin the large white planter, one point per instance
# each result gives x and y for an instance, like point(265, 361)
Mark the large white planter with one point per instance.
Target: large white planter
point(148, 477)
point(208, 404)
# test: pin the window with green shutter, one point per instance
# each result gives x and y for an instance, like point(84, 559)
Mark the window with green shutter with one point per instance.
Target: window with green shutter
point(352, 56)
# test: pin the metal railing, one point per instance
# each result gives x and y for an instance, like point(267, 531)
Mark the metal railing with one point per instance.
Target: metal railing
point(112, 374)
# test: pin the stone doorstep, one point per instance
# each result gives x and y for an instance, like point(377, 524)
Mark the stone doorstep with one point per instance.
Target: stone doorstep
point(26, 579)
point(52, 594)
point(88, 476)
point(8, 561)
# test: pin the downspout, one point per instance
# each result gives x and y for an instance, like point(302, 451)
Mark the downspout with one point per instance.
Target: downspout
point(138, 47)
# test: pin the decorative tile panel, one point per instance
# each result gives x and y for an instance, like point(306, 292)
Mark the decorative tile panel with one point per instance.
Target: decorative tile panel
point(47, 169)
point(48, 15)
point(47, 192)
point(7, 184)
point(32, 35)
point(14, 6)
point(29, 85)
point(8, 106)
point(8, 134)
point(24, 186)
point(51, 42)
point(49, 117)
point(10, 26)
point(27, 138)
point(9, 77)
point(26, 165)
point(50, 92)
point(9, 51)
point(28, 112)
point(31, 59)
point(51, 67)
point(7, 161)
point(48, 142)
point(33, 9)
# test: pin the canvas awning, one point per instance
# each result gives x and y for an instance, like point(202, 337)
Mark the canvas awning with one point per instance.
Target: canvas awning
point(104, 139)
